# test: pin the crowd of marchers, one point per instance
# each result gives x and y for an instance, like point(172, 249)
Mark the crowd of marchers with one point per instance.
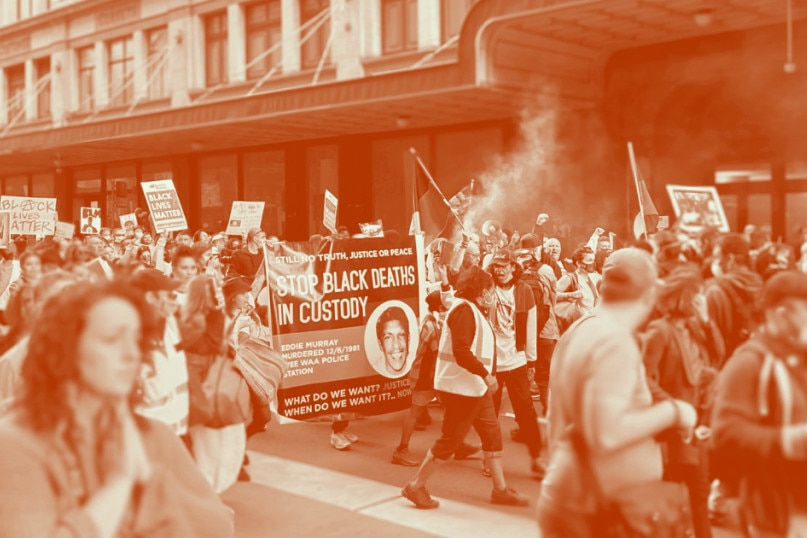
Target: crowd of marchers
point(670, 374)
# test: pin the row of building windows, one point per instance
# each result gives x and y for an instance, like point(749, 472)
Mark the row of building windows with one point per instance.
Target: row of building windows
point(263, 51)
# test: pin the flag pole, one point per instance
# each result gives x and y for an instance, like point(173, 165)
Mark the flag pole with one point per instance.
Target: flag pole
point(635, 169)
point(434, 184)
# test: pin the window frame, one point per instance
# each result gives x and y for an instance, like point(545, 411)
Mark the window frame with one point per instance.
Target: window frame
point(216, 48)
point(157, 63)
point(88, 91)
point(318, 40)
point(15, 96)
point(409, 38)
point(271, 26)
point(43, 108)
point(123, 96)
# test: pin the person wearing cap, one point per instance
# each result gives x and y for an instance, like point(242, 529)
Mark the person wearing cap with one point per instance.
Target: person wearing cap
point(514, 318)
point(246, 261)
point(164, 375)
point(759, 421)
point(421, 379)
point(598, 386)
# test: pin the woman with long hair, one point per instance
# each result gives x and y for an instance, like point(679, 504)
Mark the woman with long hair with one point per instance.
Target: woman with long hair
point(76, 459)
point(678, 354)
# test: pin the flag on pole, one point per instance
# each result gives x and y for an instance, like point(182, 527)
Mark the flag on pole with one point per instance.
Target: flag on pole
point(431, 209)
point(647, 208)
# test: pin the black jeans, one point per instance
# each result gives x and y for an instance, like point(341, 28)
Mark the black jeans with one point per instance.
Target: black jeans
point(518, 388)
point(696, 478)
point(545, 350)
point(462, 412)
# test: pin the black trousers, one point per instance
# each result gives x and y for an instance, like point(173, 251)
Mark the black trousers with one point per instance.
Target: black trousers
point(518, 388)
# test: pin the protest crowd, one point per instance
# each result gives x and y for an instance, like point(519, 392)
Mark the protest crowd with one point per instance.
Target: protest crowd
point(659, 385)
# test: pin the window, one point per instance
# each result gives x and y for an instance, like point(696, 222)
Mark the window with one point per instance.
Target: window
point(263, 33)
point(742, 173)
point(16, 186)
point(157, 62)
point(399, 25)
point(42, 68)
point(265, 179)
point(216, 48)
point(453, 15)
point(86, 78)
point(121, 193)
point(322, 167)
point(312, 49)
point(217, 180)
point(15, 77)
point(121, 69)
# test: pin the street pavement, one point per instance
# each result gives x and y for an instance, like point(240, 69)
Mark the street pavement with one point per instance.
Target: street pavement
point(301, 486)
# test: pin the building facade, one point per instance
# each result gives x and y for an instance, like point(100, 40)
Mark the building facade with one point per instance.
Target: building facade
point(279, 100)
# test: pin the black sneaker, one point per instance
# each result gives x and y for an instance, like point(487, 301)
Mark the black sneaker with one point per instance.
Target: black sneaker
point(420, 497)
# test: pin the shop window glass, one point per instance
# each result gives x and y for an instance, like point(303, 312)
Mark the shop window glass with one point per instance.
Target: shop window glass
point(743, 173)
point(759, 209)
point(265, 179)
point(217, 181)
point(796, 216)
point(43, 185)
point(729, 202)
point(322, 166)
point(121, 193)
point(16, 186)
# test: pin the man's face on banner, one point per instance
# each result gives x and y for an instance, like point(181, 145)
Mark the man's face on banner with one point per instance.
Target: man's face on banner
point(394, 345)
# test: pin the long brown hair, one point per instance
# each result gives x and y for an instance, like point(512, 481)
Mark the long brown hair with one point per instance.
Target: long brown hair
point(676, 297)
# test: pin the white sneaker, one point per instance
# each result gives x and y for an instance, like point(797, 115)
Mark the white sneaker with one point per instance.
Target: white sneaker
point(350, 437)
point(339, 442)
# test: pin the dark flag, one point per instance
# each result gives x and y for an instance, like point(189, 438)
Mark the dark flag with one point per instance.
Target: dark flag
point(431, 210)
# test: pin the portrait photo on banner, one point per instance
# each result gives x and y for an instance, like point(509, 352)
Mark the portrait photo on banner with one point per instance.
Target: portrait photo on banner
point(697, 208)
point(390, 338)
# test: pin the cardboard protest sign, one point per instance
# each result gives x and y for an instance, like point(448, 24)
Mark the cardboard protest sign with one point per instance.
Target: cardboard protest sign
point(64, 230)
point(329, 212)
point(698, 208)
point(29, 215)
point(243, 216)
point(128, 221)
point(345, 319)
point(90, 222)
point(163, 202)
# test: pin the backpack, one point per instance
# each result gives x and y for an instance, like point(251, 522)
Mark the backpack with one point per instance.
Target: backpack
point(542, 292)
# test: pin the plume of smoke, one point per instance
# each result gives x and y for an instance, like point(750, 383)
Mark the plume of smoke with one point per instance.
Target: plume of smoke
point(558, 155)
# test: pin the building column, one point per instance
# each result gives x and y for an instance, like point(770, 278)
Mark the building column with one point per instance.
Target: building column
point(195, 51)
point(140, 75)
point(70, 80)
point(39, 6)
point(429, 24)
point(29, 96)
point(3, 97)
point(101, 78)
point(370, 28)
point(346, 47)
point(290, 34)
point(8, 12)
point(60, 69)
point(178, 68)
point(236, 43)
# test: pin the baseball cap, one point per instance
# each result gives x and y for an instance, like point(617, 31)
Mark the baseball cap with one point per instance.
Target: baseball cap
point(503, 257)
point(153, 280)
point(627, 274)
point(784, 285)
point(530, 241)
